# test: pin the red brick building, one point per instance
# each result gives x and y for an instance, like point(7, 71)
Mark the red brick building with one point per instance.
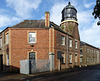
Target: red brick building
point(35, 39)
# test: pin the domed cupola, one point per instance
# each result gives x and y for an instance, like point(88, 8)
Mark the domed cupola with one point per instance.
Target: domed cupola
point(69, 13)
point(69, 22)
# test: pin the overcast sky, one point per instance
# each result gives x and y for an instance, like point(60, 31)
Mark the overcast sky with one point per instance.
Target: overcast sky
point(15, 11)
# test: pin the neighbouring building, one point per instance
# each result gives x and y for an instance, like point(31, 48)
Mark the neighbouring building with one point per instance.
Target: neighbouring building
point(89, 55)
point(35, 39)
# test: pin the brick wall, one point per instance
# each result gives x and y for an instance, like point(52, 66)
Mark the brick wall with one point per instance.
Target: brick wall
point(20, 47)
point(63, 48)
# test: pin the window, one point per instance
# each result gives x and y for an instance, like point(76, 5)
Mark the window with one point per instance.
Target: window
point(62, 40)
point(87, 50)
point(81, 50)
point(0, 42)
point(7, 59)
point(63, 58)
point(76, 45)
point(7, 38)
point(32, 37)
point(70, 58)
point(32, 55)
point(70, 42)
point(76, 58)
point(87, 59)
point(80, 59)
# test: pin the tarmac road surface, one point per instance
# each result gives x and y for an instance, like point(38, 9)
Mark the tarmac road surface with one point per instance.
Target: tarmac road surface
point(87, 74)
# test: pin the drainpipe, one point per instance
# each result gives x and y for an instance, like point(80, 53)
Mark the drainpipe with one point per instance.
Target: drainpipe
point(67, 52)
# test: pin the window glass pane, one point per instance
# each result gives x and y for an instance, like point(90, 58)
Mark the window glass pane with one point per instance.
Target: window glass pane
point(75, 57)
point(62, 40)
point(63, 58)
point(32, 40)
point(81, 50)
point(32, 37)
point(70, 43)
point(76, 44)
point(80, 59)
point(0, 42)
point(7, 59)
point(32, 34)
point(70, 58)
point(32, 56)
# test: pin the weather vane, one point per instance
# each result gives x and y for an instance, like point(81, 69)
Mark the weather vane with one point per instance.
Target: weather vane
point(96, 12)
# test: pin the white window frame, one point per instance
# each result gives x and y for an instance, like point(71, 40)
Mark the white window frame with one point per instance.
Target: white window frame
point(70, 43)
point(7, 38)
point(62, 40)
point(34, 36)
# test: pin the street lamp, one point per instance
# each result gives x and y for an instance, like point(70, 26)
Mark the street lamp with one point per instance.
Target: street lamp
point(96, 12)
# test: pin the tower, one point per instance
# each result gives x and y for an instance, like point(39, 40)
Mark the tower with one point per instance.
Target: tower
point(69, 22)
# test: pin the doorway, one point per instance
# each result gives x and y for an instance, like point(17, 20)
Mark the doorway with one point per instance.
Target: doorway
point(32, 61)
point(1, 62)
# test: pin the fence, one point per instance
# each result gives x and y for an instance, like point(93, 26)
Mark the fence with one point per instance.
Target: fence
point(39, 66)
point(34, 66)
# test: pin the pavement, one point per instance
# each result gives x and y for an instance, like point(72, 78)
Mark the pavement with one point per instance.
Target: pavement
point(75, 74)
point(4, 76)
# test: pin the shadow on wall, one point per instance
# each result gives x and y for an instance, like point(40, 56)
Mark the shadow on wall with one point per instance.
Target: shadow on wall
point(6, 68)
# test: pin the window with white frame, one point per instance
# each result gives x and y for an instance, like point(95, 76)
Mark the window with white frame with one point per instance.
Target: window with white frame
point(62, 40)
point(0, 42)
point(76, 45)
point(32, 37)
point(70, 58)
point(76, 58)
point(80, 59)
point(7, 38)
point(63, 58)
point(7, 59)
point(70, 42)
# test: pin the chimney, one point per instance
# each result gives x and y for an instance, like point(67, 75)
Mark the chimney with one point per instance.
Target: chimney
point(47, 14)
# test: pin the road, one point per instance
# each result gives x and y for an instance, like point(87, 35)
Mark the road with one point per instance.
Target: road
point(87, 74)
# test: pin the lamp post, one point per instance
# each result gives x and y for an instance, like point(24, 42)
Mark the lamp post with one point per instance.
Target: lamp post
point(96, 12)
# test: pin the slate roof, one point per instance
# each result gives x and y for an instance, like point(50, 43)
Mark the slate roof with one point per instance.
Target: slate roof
point(84, 43)
point(34, 24)
point(30, 24)
point(37, 24)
